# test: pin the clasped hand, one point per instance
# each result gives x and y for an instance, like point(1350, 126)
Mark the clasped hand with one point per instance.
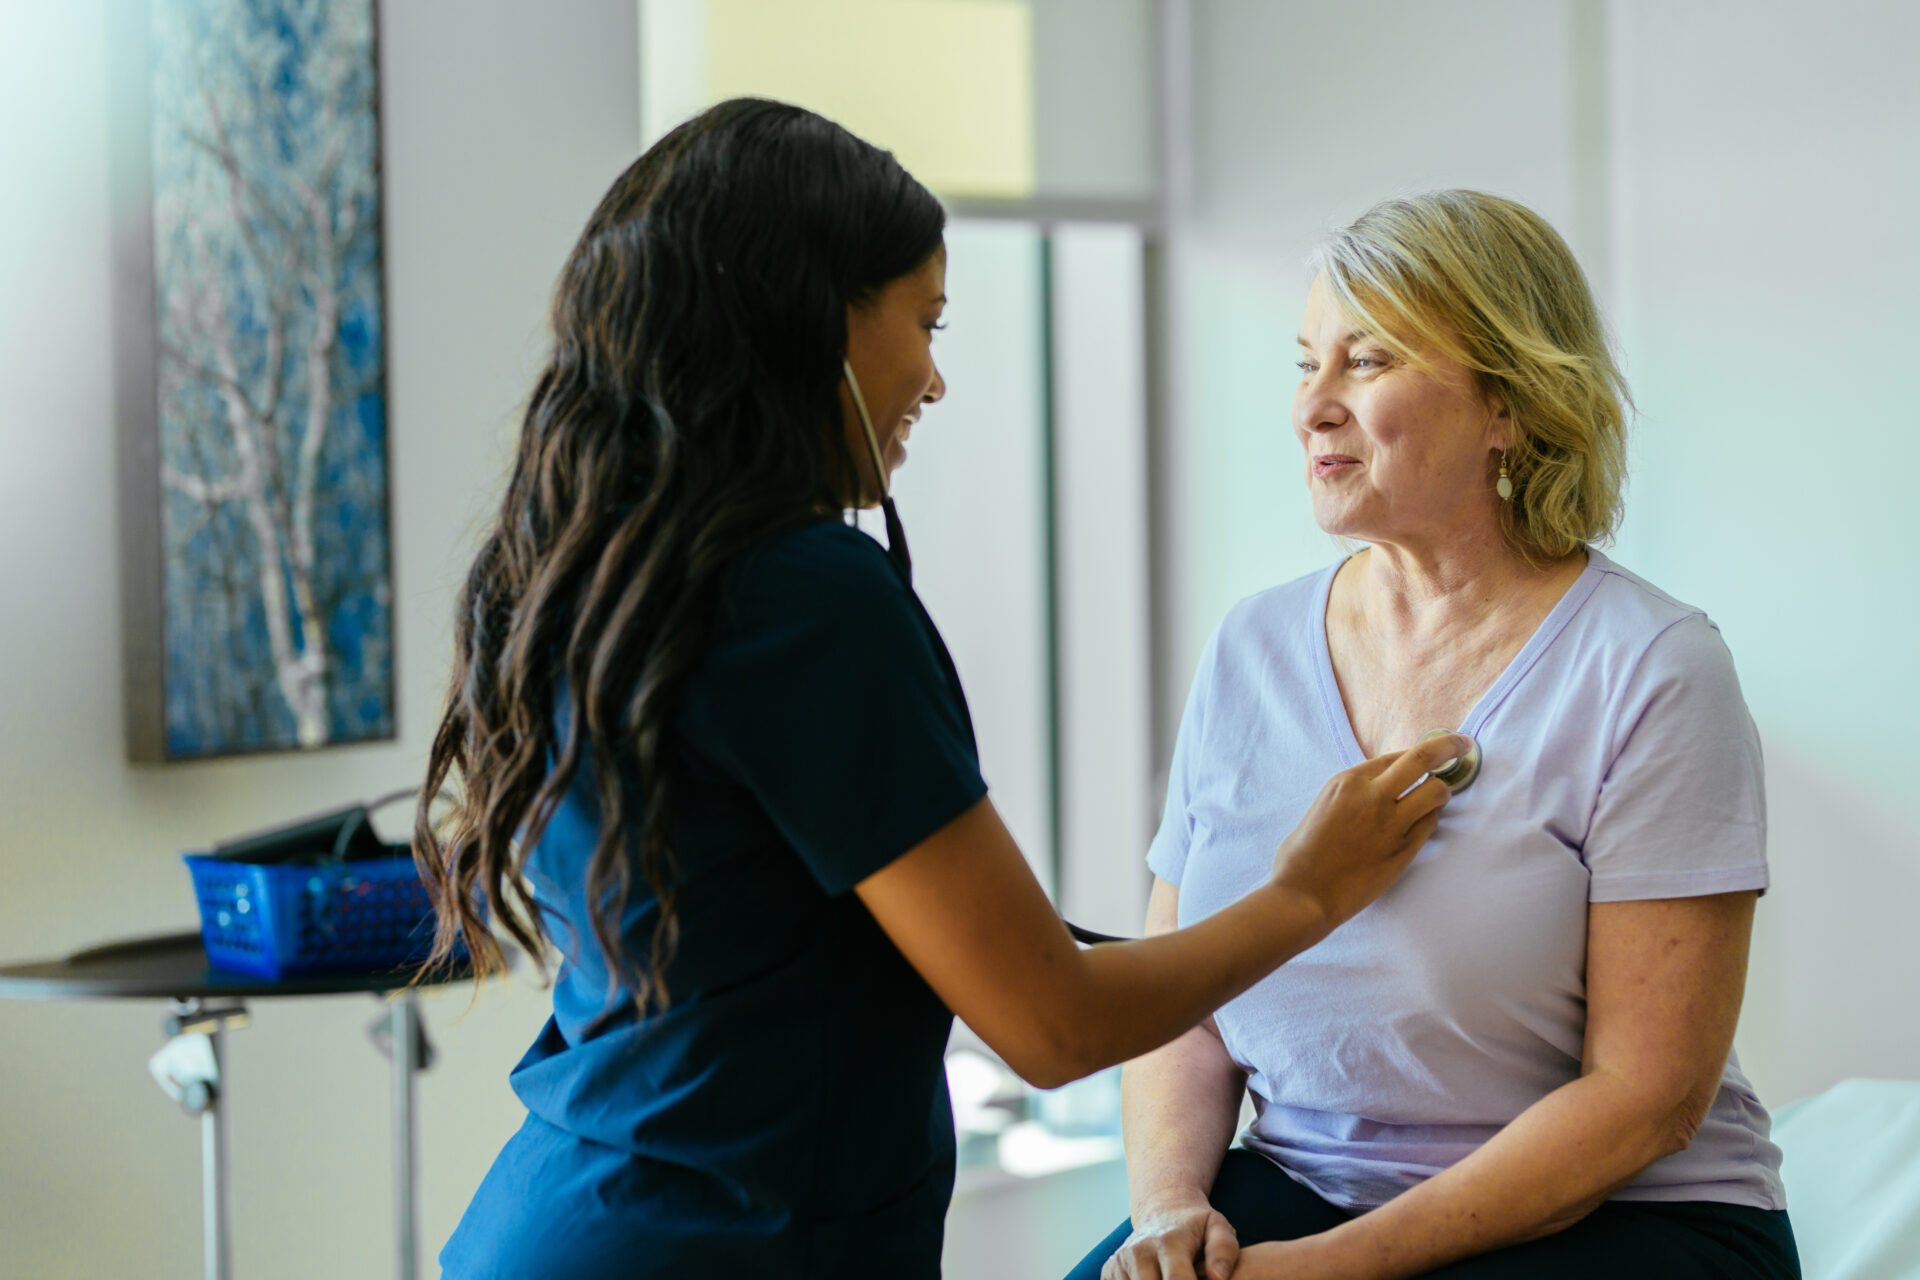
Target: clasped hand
point(1185, 1238)
point(1173, 1237)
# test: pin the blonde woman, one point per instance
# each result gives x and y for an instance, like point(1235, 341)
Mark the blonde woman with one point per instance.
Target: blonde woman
point(1518, 1061)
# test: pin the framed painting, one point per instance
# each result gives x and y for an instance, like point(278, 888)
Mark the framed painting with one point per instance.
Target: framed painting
point(255, 514)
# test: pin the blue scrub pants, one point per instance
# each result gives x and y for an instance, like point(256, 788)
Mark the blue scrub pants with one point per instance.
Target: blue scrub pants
point(1693, 1240)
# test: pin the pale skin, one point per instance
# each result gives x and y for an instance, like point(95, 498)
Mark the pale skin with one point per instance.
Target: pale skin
point(964, 908)
point(1404, 457)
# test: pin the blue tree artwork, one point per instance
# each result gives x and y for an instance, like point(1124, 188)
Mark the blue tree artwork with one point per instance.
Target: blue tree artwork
point(277, 608)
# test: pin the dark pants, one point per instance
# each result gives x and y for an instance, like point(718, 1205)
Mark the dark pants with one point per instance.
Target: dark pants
point(1694, 1240)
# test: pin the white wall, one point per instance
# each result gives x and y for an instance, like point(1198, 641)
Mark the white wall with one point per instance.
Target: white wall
point(1764, 181)
point(1093, 103)
point(1739, 179)
point(502, 127)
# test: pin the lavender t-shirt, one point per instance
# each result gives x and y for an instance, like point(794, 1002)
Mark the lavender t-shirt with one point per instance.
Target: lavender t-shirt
point(1619, 763)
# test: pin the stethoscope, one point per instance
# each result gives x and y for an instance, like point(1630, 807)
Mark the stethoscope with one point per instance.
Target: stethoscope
point(1458, 774)
point(896, 535)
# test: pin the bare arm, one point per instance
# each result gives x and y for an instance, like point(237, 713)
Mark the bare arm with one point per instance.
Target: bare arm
point(1179, 1106)
point(1664, 982)
point(1180, 1103)
point(965, 910)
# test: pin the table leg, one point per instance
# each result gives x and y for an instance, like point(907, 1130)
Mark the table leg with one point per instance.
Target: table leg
point(195, 1080)
point(405, 1016)
point(214, 1182)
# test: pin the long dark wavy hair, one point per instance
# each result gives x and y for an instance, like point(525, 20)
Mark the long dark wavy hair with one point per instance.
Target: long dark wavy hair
point(690, 409)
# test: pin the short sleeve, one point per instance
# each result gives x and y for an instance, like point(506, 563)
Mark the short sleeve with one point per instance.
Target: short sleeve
point(1682, 807)
point(1167, 855)
point(827, 697)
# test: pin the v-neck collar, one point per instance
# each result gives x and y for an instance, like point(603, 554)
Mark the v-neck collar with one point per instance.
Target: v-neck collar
point(1522, 662)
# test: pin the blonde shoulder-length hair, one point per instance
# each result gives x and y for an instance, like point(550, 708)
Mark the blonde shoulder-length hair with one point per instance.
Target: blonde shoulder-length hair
point(1490, 285)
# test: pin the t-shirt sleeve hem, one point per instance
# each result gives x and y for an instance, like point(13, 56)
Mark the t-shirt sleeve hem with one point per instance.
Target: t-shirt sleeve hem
point(1166, 861)
point(1697, 883)
point(961, 796)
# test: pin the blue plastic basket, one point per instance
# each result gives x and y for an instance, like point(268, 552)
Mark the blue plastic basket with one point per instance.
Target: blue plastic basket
point(277, 921)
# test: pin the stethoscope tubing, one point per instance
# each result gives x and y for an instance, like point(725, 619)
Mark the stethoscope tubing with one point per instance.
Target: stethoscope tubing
point(1089, 937)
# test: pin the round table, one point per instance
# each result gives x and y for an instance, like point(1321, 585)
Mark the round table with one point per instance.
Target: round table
point(208, 1001)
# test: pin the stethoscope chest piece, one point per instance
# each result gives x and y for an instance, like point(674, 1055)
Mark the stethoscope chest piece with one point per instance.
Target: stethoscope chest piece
point(1460, 772)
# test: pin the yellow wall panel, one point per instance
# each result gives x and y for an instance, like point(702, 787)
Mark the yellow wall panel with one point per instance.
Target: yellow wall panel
point(947, 85)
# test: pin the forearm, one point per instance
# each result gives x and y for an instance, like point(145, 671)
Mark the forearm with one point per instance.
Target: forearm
point(964, 909)
point(1179, 1106)
point(1123, 999)
point(1558, 1161)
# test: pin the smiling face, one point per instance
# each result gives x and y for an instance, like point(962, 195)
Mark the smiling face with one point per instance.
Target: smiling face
point(890, 346)
point(1395, 454)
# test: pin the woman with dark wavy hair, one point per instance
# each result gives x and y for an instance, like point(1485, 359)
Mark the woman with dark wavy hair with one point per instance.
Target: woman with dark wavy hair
point(706, 745)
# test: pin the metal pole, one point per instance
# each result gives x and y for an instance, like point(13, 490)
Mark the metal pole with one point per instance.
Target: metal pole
point(405, 1026)
point(217, 1210)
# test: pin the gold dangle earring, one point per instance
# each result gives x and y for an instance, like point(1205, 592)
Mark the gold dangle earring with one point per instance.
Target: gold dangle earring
point(1503, 486)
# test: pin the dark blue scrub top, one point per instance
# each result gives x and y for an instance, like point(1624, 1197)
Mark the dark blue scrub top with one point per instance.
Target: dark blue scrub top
point(788, 1114)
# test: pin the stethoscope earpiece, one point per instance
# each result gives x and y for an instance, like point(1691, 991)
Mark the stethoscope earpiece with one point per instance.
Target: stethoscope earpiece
point(1458, 773)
